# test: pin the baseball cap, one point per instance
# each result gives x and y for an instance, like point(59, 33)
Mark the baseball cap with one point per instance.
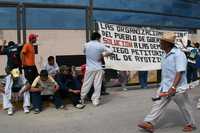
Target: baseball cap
point(32, 37)
point(15, 73)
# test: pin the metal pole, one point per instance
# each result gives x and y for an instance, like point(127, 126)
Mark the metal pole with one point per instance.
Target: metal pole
point(87, 25)
point(8, 4)
point(24, 23)
point(60, 6)
point(18, 13)
point(90, 14)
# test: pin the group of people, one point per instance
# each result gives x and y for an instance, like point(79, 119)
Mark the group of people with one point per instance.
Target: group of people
point(192, 53)
point(59, 82)
point(53, 82)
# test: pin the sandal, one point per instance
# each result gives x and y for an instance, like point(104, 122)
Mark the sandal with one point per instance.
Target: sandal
point(147, 126)
point(188, 128)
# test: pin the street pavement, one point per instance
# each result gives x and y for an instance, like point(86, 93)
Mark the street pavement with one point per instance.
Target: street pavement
point(120, 112)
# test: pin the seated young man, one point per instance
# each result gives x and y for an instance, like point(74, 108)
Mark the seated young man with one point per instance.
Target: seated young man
point(14, 87)
point(51, 66)
point(45, 85)
point(68, 86)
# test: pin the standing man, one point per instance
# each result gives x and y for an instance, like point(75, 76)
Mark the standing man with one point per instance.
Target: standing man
point(173, 86)
point(28, 59)
point(123, 79)
point(94, 50)
point(143, 79)
point(13, 55)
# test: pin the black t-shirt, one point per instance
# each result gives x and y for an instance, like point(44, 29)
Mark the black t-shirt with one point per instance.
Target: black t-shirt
point(66, 81)
point(13, 54)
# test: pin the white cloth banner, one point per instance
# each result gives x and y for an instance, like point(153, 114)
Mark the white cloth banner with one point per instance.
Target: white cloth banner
point(134, 48)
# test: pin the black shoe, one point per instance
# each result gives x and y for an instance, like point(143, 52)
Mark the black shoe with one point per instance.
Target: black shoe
point(105, 93)
point(36, 111)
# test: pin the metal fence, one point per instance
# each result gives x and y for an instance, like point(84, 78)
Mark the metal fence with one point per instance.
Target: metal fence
point(21, 16)
point(90, 18)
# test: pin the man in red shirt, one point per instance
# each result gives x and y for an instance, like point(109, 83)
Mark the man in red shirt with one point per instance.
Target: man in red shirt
point(28, 59)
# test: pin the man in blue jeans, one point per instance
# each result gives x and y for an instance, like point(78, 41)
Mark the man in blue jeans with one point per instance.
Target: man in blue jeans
point(45, 85)
point(143, 77)
point(69, 86)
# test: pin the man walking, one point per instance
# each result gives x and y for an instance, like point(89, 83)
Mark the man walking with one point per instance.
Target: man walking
point(173, 86)
point(94, 50)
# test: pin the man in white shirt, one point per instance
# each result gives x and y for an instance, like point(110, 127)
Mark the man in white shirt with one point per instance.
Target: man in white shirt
point(94, 51)
point(51, 66)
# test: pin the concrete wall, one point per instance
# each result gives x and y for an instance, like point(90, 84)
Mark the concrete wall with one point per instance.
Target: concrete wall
point(50, 42)
point(56, 42)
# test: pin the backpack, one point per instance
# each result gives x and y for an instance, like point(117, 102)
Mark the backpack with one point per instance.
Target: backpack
point(193, 55)
point(194, 58)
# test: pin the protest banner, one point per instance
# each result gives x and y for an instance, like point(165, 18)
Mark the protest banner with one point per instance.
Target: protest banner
point(135, 48)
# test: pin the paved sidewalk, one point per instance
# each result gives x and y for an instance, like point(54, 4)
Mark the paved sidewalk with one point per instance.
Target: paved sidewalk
point(120, 113)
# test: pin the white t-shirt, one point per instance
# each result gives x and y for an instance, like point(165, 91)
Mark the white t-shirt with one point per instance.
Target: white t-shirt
point(93, 51)
point(52, 69)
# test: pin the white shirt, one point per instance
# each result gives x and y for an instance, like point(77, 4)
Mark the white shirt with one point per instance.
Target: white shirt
point(52, 69)
point(174, 61)
point(93, 51)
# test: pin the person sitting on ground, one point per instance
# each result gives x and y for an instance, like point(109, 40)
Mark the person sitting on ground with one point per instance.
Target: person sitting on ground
point(69, 86)
point(51, 66)
point(14, 87)
point(45, 85)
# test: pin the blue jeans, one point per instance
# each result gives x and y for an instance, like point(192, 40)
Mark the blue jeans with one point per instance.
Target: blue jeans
point(143, 75)
point(191, 72)
point(37, 100)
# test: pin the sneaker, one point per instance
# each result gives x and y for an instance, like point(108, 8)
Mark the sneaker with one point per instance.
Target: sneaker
point(83, 102)
point(62, 107)
point(36, 111)
point(104, 93)
point(146, 126)
point(10, 111)
point(26, 110)
point(95, 102)
point(80, 106)
point(124, 89)
point(188, 128)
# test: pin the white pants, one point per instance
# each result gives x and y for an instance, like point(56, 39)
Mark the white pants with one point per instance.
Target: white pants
point(182, 101)
point(92, 78)
point(7, 102)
